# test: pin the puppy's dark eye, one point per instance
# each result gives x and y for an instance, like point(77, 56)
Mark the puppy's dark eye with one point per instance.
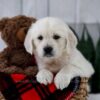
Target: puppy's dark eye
point(40, 37)
point(56, 37)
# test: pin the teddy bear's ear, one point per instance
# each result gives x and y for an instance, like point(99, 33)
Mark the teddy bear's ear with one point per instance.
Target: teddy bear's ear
point(22, 33)
point(3, 23)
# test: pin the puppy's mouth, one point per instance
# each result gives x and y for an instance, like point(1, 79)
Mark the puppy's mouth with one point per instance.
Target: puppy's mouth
point(49, 55)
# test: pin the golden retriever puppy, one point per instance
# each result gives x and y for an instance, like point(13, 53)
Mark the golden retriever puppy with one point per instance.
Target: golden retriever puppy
point(54, 46)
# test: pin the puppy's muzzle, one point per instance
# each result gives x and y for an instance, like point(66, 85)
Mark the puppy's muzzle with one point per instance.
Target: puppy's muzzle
point(48, 51)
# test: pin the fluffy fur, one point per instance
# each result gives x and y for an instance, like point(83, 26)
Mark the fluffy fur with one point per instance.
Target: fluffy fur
point(65, 59)
point(14, 57)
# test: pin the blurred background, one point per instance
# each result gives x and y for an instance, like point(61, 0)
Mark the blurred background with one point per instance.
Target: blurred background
point(82, 15)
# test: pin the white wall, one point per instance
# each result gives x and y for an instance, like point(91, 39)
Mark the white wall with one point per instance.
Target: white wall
point(10, 8)
point(72, 11)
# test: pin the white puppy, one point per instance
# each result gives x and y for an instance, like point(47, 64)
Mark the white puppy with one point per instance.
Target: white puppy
point(54, 46)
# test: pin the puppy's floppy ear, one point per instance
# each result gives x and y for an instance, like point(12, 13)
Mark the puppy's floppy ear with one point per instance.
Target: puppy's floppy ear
point(71, 41)
point(28, 43)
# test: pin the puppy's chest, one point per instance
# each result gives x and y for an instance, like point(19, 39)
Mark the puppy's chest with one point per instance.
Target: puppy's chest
point(54, 66)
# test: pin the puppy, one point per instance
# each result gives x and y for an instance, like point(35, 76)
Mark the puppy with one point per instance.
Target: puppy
point(54, 46)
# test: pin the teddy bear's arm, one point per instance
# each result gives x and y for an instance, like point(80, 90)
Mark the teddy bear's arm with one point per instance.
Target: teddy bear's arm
point(6, 67)
point(31, 70)
point(5, 62)
point(24, 62)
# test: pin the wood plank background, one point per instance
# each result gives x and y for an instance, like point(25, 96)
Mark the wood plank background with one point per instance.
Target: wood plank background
point(72, 11)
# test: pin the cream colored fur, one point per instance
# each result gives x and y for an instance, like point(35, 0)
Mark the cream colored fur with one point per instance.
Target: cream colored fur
point(67, 60)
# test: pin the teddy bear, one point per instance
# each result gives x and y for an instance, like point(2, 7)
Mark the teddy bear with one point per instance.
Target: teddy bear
point(14, 58)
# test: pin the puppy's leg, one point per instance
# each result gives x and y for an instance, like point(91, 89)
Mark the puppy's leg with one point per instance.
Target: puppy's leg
point(64, 76)
point(44, 76)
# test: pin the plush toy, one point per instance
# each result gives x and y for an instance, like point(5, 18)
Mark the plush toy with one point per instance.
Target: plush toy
point(14, 58)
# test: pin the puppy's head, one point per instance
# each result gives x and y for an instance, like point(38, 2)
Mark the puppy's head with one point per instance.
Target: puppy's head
point(49, 38)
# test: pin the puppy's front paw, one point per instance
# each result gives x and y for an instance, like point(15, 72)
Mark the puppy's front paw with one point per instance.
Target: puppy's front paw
point(62, 81)
point(44, 76)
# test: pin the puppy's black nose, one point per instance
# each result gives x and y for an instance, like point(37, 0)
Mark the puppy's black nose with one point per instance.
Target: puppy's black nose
point(48, 50)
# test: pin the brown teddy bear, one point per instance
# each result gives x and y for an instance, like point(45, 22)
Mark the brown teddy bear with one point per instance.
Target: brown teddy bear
point(14, 58)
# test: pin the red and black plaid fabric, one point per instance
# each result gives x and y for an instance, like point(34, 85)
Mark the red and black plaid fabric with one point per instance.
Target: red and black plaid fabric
point(21, 87)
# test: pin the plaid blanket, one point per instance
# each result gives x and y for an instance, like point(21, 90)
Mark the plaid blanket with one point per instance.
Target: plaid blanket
point(21, 87)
